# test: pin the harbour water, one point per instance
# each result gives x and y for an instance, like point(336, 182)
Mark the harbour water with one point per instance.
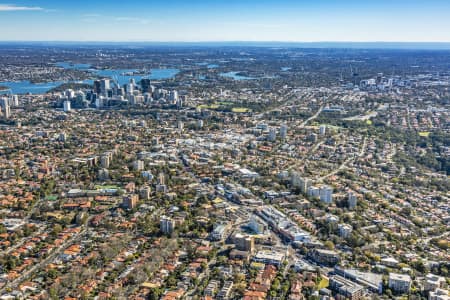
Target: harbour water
point(25, 87)
point(123, 76)
point(236, 76)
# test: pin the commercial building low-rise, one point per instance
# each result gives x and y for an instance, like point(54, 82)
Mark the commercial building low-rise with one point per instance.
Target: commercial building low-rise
point(326, 257)
point(225, 292)
point(345, 230)
point(219, 232)
point(399, 283)
point(439, 294)
point(346, 288)
point(273, 257)
point(372, 281)
point(433, 282)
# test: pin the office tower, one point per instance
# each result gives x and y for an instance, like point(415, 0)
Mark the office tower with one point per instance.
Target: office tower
point(91, 96)
point(180, 125)
point(244, 242)
point(7, 111)
point(283, 131)
point(299, 182)
point(161, 186)
point(97, 87)
point(305, 183)
point(130, 201)
point(272, 134)
point(173, 96)
point(313, 191)
point(69, 94)
point(352, 200)
point(99, 103)
point(104, 86)
point(130, 88)
point(159, 93)
point(166, 225)
point(67, 107)
point(323, 129)
point(379, 78)
point(138, 99)
point(326, 194)
point(14, 101)
point(147, 98)
point(62, 137)
point(180, 102)
point(146, 85)
point(256, 226)
point(104, 161)
point(312, 137)
point(5, 108)
point(120, 91)
point(144, 193)
point(295, 179)
point(391, 82)
point(131, 99)
point(161, 179)
point(138, 165)
point(103, 174)
point(109, 155)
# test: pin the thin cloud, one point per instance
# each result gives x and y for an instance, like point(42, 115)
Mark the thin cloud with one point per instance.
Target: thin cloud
point(132, 20)
point(12, 7)
point(254, 25)
point(92, 15)
point(95, 17)
point(90, 18)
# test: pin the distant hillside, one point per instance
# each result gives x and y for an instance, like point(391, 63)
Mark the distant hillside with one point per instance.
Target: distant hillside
point(70, 85)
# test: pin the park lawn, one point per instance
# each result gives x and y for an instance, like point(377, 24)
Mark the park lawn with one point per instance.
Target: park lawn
point(424, 133)
point(206, 106)
point(106, 187)
point(239, 109)
point(323, 283)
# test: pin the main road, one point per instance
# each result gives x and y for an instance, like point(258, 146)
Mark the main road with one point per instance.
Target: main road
point(346, 162)
point(312, 117)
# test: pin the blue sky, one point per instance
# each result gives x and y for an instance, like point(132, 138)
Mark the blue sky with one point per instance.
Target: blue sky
point(226, 20)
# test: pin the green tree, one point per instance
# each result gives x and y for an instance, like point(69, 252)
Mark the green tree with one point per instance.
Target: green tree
point(329, 245)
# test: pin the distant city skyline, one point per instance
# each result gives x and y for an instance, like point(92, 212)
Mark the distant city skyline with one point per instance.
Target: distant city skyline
point(231, 20)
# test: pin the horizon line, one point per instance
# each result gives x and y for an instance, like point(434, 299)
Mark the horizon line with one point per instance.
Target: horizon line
point(378, 45)
point(227, 41)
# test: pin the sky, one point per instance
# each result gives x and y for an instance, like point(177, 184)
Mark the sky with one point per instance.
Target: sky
point(226, 20)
